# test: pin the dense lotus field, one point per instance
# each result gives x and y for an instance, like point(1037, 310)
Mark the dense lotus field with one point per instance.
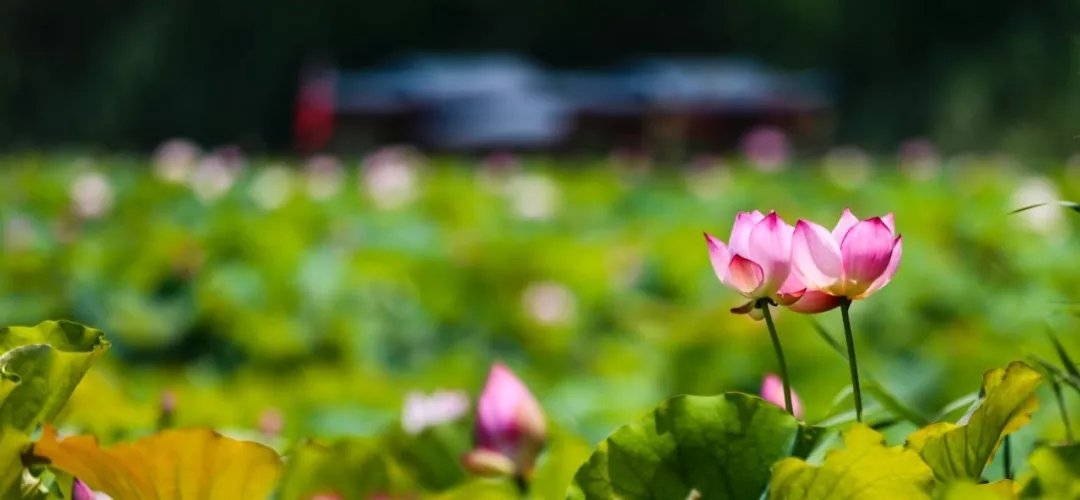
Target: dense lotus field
point(406, 327)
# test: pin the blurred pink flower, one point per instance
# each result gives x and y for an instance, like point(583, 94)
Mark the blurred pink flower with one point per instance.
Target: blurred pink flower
point(324, 175)
point(174, 160)
point(498, 169)
point(918, 159)
point(772, 390)
point(509, 422)
point(422, 411)
point(501, 161)
point(168, 401)
point(271, 422)
point(91, 195)
point(533, 196)
point(215, 175)
point(272, 187)
point(767, 148)
point(548, 303)
point(854, 260)
point(756, 262)
point(389, 177)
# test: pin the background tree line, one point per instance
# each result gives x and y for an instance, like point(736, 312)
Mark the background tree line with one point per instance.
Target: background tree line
point(980, 75)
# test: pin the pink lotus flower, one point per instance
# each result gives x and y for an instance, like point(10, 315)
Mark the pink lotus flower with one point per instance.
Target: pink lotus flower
point(854, 260)
point(772, 390)
point(756, 262)
point(509, 422)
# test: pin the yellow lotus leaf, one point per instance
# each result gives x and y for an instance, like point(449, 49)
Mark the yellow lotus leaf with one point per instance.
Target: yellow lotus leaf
point(864, 468)
point(961, 451)
point(966, 490)
point(182, 464)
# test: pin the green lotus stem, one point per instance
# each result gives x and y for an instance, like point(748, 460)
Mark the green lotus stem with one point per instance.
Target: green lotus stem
point(764, 305)
point(522, 485)
point(1061, 408)
point(845, 303)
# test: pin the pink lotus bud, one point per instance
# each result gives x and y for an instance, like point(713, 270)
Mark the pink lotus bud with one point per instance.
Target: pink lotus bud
point(756, 262)
point(854, 260)
point(772, 390)
point(80, 491)
point(509, 421)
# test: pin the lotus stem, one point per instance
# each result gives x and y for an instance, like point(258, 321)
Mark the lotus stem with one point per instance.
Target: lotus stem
point(845, 304)
point(764, 305)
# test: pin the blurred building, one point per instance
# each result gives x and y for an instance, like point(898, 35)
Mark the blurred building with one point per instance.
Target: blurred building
point(500, 101)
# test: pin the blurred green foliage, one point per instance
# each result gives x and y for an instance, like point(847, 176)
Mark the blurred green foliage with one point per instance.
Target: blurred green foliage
point(329, 311)
point(972, 75)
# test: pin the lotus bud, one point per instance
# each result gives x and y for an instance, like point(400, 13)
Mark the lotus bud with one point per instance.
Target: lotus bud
point(509, 422)
point(772, 390)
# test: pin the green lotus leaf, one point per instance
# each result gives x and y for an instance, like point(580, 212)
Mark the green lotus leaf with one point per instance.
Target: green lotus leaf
point(39, 368)
point(1055, 472)
point(717, 447)
point(349, 468)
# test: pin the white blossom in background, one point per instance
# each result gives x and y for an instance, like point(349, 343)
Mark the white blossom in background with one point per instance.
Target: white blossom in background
point(766, 148)
point(533, 196)
point(428, 410)
point(91, 194)
point(548, 303)
point(389, 177)
point(324, 176)
point(272, 187)
point(175, 159)
point(919, 159)
point(708, 177)
point(213, 178)
point(1047, 220)
point(847, 167)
